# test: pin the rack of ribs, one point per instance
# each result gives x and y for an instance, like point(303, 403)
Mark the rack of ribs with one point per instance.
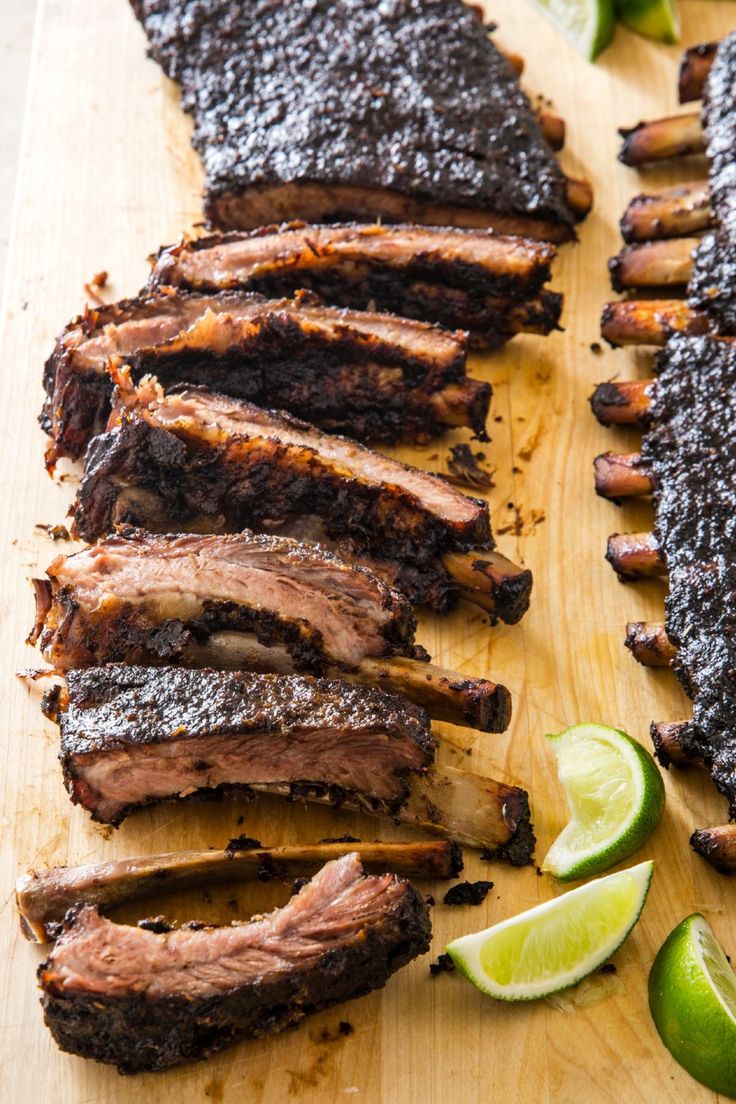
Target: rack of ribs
point(196, 460)
point(146, 1001)
point(406, 113)
point(663, 249)
point(246, 602)
point(687, 460)
point(133, 736)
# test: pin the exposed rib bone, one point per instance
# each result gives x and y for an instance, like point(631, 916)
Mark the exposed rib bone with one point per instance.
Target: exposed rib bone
point(717, 846)
point(492, 582)
point(636, 556)
point(446, 695)
point(662, 139)
point(621, 475)
point(694, 68)
point(664, 263)
point(649, 644)
point(651, 321)
point(621, 402)
point(44, 898)
point(673, 213)
point(553, 129)
point(579, 196)
point(669, 747)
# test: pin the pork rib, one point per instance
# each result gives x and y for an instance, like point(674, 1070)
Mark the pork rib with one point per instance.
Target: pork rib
point(148, 1001)
point(245, 602)
point(474, 280)
point(375, 374)
point(133, 736)
point(332, 111)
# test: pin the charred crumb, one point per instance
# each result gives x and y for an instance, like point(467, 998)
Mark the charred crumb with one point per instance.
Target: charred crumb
point(239, 821)
point(464, 468)
point(95, 286)
point(232, 904)
point(442, 965)
point(55, 532)
point(340, 839)
point(156, 924)
point(596, 348)
point(607, 968)
point(298, 885)
point(242, 843)
point(468, 893)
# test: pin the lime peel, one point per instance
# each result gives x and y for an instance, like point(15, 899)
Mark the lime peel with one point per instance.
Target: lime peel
point(615, 795)
point(556, 944)
point(657, 19)
point(587, 24)
point(692, 998)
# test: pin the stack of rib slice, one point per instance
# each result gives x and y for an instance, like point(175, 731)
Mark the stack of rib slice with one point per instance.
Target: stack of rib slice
point(664, 249)
point(206, 318)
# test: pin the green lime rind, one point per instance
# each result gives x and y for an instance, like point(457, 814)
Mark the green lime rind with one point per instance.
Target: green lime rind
point(554, 945)
point(587, 24)
point(615, 795)
point(657, 19)
point(692, 998)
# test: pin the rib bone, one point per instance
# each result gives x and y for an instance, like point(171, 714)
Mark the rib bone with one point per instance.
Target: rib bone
point(684, 209)
point(662, 139)
point(621, 475)
point(44, 898)
point(622, 402)
point(651, 321)
point(694, 68)
point(669, 744)
point(663, 263)
point(717, 846)
point(649, 644)
point(636, 556)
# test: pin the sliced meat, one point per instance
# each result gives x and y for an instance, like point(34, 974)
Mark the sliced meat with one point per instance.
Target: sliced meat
point(336, 110)
point(376, 374)
point(205, 461)
point(147, 1001)
point(133, 736)
point(473, 280)
point(141, 598)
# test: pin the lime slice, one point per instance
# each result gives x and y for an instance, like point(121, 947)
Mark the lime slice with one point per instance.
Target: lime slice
point(615, 794)
point(692, 998)
point(653, 18)
point(588, 24)
point(557, 944)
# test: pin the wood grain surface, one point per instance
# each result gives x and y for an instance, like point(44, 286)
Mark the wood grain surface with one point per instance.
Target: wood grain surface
point(106, 176)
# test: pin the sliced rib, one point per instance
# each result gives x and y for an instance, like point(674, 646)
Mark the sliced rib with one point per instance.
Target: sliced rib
point(200, 461)
point(133, 736)
point(148, 1001)
point(44, 897)
point(473, 280)
point(375, 374)
point(245, 602)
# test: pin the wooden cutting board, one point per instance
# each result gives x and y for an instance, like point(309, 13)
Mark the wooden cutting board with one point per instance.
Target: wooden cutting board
point(107, 175)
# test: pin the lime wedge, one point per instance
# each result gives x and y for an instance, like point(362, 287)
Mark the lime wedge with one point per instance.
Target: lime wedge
point(615, 794)
point(654, 18)
point(692, 998)
point(556, 944)
point(588, 24)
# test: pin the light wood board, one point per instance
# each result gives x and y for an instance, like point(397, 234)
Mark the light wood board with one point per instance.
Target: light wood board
point(107, 175)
